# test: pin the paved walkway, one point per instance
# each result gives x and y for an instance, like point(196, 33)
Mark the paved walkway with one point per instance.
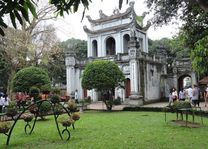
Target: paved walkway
point(101, 106)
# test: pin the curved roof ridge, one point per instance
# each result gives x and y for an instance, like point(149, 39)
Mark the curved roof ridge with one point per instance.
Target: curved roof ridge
point(116, 14)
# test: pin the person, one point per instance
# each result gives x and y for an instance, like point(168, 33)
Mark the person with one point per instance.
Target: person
point(189, 93)
point(76, 96)
point(1, 102)
point(195, 97)
point(182, 95)
point(174, 95)
point(206, 96)
point(170, 98)
point(5, 101)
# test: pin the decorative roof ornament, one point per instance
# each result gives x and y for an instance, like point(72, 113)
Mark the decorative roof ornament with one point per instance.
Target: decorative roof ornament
point(116, 11)
point(145, 28)
point(131, 4)
point(102, 15)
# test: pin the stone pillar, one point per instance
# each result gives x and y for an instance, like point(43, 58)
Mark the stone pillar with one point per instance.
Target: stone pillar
point(194, 78)
point(70, 73)
point(134, 70)
point(175, 79)
point(89, 47)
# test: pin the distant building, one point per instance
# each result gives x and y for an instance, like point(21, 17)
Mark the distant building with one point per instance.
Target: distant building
point(122, 38)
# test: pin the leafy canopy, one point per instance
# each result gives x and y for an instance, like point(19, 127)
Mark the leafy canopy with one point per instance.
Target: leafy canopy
point(102, 75)
point(31, 77)
point(200, 56)
point(194, 15)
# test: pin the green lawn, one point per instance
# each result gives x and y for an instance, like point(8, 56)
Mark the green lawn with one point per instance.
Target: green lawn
point(113, 130)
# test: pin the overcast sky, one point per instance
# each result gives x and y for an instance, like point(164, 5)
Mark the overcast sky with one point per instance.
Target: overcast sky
point(71, 25)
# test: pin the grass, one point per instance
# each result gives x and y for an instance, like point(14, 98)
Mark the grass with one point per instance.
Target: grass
point(112, 130)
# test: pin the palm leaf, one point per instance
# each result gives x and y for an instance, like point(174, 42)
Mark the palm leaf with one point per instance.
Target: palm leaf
point(31, 8)
point(12, 17)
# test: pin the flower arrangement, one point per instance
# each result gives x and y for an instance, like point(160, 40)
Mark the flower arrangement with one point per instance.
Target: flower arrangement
point(4, 127)
point(27, 117)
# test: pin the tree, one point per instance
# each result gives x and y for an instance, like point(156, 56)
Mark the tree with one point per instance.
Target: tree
point(194, 30)
point(104, 76)
point(29, 44)
point(76, 46)
point(200, 56)
point(31, 77)
point(5, 68)
point(55, 65)
point(166, 10)
point(164, 47)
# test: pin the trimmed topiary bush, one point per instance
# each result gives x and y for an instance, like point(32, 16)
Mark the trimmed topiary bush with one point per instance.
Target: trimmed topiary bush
point(29, 77)
point(35, 93)
point(45, 108)
point(55, 99)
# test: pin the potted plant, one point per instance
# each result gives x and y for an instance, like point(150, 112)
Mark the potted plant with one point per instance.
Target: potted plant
point(75, 116)
point(4, 126)
point(72, 106)
point(27, 117)
point(66, 122)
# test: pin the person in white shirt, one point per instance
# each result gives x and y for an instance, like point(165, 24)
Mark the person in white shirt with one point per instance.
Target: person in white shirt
point(1, 102)
point(190, 94)
point(76, 96)
point(170, 98)
point(174, 94)
point(5, 101)
point(182, 95)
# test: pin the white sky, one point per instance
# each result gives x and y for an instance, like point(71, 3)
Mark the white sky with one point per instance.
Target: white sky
point(71, 25)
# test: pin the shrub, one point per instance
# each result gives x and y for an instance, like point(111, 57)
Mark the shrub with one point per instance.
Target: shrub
point(117, 101)
point(45, 107)
point(55, 98)
point(88, 100)
point(4, 126)
point(11, 109)
point(30, 76)
point(181, 104)
point(34, 92)
point(56, 91)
